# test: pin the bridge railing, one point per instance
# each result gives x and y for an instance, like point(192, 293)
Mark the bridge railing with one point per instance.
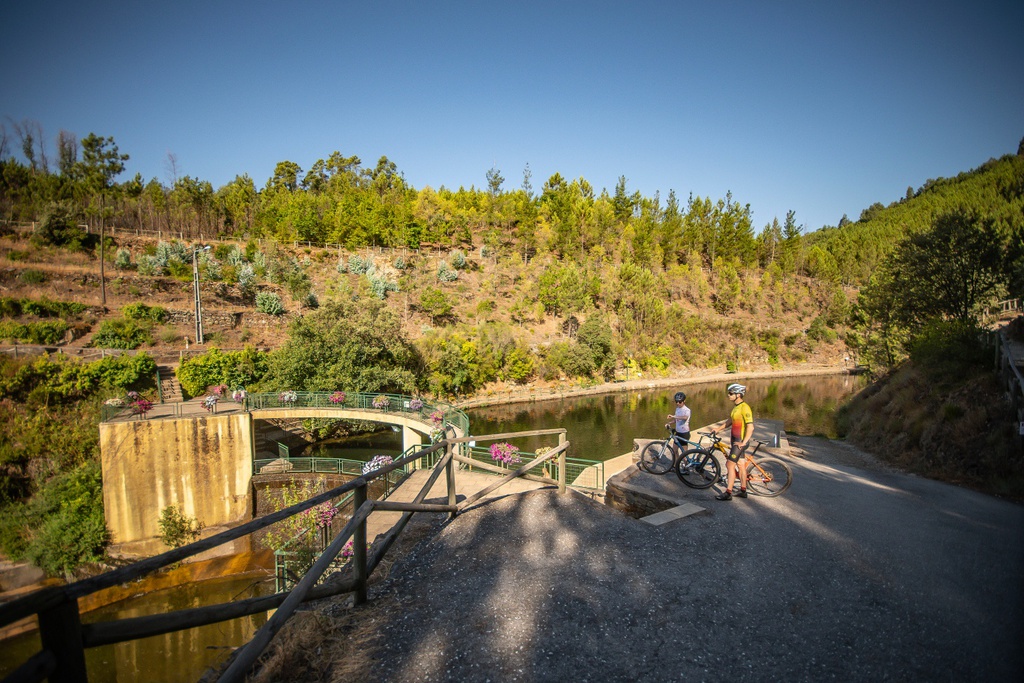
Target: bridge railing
point(436, 412)
point(64, 638)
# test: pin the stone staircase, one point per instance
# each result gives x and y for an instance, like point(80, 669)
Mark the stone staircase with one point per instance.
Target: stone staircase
point(170, 390)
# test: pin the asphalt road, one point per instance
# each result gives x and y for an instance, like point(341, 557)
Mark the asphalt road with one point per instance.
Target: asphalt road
point(855, 574)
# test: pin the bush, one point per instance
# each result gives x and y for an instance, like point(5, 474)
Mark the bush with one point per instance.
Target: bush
point(177, 528)
point(236, 369)
point(446, 274)
point(32, 277)
point(67, 519)
point(45, 308)
point(46, 332)
point(140, 311)
point(60, 229)
point(123, 259)
point(122, 333)
point(269, 303)
point(458, 260)
point(357, 265)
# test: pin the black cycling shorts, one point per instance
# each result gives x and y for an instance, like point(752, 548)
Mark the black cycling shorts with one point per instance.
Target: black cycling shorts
point(736, 452)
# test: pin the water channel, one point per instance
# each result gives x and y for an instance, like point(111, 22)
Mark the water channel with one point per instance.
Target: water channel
point(599, 427)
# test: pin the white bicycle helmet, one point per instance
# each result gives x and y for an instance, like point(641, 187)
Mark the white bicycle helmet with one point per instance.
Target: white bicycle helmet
point(736, 389)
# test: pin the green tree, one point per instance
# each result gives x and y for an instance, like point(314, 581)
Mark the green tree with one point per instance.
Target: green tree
point(344, 345)
point(952, 271)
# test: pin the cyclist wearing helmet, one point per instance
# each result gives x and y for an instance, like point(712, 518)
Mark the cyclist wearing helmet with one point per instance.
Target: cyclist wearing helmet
point(682, 417)
point(741, 420)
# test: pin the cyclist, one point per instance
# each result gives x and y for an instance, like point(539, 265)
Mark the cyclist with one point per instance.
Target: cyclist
point(682, 418)
point(741, 420)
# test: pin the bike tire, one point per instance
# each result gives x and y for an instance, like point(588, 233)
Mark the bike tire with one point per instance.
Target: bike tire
point(776, 478)
point(698, 468)
point(657, 457)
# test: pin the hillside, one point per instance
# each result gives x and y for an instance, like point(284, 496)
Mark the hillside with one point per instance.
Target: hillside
point(503, 296)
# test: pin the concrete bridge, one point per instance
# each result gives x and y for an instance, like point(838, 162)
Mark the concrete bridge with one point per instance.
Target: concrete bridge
point(201, 461)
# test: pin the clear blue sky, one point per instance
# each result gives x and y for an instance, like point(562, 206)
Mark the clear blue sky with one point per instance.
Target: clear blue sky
point(819, 107)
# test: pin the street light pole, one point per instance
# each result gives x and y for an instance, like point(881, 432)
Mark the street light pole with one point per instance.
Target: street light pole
point(195, 287)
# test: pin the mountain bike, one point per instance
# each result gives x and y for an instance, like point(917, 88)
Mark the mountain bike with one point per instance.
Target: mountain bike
point(765, 476)
point(696, 467)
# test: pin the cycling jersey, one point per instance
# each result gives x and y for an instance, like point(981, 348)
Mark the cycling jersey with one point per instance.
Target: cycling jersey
point(740, 417)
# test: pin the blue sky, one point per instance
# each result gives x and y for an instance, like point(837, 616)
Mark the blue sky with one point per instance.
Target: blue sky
point(818, 107)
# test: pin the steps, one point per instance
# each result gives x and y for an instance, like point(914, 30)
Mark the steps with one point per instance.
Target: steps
point(170, 390)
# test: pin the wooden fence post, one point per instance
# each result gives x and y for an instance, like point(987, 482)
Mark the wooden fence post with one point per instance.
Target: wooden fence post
point(60, 631)
point(359, 548)
point(450, 476)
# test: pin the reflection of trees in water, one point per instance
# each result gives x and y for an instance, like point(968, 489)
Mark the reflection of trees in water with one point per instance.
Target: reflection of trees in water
point(604, 426)
point(182, 655)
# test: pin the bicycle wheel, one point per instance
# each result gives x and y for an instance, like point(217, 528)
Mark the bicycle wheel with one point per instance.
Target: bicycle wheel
point(768, 477)
point(697, 468)
point(656, 457)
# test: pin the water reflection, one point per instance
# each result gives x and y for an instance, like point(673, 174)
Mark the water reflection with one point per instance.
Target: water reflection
point(604, 426)
point(169, 658)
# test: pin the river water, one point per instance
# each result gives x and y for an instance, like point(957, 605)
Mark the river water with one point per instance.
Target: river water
point(602, 427)
point(599, 427)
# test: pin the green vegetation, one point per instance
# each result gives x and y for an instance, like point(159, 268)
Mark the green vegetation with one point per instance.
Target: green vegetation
point(51, 503)
point(233, 369)
point(177, 528)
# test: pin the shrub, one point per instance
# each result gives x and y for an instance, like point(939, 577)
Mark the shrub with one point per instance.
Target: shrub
point(232, 368)
point(45, 332)
point(140, 311)
point(399, 263)
point(177, 528)
point(247, 280)
point(46, 308)
point(446, 274)
point(269, 303)
point(123, 259)
point(60, 229)
point(341, 265)
point(357, 265)
point(32, 277)
point(122, 333)
point(67, 519)
point(458, 260)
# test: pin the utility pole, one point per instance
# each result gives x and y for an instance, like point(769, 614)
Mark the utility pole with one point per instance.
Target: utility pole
point(195, 287)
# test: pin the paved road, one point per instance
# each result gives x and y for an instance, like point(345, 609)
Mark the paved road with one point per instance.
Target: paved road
point(854, 575)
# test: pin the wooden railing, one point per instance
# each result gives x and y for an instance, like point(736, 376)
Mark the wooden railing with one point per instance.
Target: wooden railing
point(64, 638)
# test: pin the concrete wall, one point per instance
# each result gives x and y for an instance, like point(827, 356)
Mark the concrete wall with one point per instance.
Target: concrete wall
point(203, 465)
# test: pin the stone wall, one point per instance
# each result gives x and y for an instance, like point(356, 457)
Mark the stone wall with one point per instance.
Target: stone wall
point(202, 465)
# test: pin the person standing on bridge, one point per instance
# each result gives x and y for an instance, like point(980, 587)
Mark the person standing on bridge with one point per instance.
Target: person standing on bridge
point(742, 421)
point(682, 418)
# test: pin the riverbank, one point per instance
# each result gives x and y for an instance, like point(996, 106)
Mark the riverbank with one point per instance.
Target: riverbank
point(533, 392)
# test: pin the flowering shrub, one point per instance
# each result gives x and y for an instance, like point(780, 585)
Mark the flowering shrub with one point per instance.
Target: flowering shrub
point(338, 397)
point(436, 434)
point(415, 404)
point(347, 551)
point(377, 462)
point(287, 397)
point(219, 390)
point(382, 402)
point(115, 402)
point(322, 514)
point(210, 402)
point(437, 417)
point(238, 395)
point(141, 406)
point(505, 453)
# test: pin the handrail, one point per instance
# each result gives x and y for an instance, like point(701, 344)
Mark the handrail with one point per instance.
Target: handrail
point(64, 638)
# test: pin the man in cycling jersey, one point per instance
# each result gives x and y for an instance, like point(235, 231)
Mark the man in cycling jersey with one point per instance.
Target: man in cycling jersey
point(741, 420)
point(682, 418)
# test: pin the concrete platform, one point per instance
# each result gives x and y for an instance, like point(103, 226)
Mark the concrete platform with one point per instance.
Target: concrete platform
point(659, 499)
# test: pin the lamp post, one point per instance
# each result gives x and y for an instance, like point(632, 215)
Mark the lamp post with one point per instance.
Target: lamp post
point(195, 287)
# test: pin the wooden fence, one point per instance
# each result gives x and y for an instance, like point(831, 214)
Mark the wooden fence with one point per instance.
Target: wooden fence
point(64, 638)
